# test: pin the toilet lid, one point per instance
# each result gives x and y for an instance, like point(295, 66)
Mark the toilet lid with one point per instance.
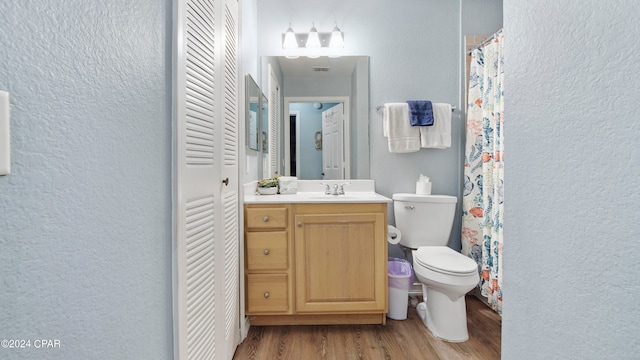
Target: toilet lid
point(444, 259)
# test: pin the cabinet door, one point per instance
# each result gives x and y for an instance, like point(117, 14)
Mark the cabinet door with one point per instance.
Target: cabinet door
point(340, 263)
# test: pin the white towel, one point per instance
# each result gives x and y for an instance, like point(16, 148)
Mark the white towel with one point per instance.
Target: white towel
point(402, 137)
point(437, 136)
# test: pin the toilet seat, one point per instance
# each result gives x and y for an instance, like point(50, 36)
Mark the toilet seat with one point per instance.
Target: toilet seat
point(444, 260)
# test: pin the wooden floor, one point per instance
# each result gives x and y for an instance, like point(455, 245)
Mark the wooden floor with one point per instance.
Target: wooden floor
point(408, 339)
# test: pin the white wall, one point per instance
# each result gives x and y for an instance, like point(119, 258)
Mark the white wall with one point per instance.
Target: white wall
point(571, 250)
point(85, 216)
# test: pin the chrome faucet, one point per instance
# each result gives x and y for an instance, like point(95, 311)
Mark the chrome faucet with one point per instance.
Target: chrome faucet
point(338, 189)
point(341, 189)
point(327, 189)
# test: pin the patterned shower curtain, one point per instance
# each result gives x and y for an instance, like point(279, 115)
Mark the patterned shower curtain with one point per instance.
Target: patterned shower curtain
point(482, 201)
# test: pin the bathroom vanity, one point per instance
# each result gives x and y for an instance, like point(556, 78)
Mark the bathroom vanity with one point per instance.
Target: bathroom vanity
point(312, 258)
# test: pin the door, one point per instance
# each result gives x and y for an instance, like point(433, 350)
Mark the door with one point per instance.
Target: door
point(229, 113)
point(333, 143)
point(289, 108)
point(340, 261)
point(206, 251)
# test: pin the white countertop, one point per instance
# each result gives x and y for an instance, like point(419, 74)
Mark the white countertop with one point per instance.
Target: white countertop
point(311, 191)
point(317, 198)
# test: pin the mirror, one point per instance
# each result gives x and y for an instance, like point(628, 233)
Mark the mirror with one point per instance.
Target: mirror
point(322, 80)
point(252, 112)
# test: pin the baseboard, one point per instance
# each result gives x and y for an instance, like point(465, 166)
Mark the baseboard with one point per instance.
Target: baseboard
point(477, 293)
point(244, 330)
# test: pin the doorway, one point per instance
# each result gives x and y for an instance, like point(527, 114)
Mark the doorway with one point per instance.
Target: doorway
point(294, 119)
point(303, 139)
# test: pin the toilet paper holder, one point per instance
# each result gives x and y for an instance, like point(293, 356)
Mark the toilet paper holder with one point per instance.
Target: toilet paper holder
point(393, 235)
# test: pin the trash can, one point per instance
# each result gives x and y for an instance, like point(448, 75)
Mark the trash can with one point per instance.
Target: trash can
point(400, 282)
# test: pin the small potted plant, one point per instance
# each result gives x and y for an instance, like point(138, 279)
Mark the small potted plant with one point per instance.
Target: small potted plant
point(268, 186)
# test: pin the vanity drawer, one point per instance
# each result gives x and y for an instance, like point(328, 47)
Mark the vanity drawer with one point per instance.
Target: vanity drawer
point(267, 250)
point(267, 293)
point(266, 218)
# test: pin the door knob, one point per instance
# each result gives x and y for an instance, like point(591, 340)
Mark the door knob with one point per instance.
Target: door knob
point(266, 251)
point(266, 295)
point(265, 219)
point(299, 224)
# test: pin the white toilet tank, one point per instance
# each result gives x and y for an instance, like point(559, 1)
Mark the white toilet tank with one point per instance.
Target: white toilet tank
point(424, 220)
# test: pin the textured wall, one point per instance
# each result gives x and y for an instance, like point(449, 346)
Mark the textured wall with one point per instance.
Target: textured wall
point(571, 255)
point(85, 216)
point(415, 53)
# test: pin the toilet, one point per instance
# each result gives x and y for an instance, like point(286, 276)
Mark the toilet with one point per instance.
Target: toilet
point(446, 276)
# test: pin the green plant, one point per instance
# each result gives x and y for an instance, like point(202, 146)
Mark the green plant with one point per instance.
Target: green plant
point(267, 183)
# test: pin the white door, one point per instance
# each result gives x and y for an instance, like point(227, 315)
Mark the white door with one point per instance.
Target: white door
point(205, 80)
point(230, 256)
point(333, 143)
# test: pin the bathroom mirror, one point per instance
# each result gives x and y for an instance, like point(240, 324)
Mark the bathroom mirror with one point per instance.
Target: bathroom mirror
point(322, 80)
point(252, 112)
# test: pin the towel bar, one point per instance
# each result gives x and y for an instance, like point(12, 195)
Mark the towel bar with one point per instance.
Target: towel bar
point(380, 107)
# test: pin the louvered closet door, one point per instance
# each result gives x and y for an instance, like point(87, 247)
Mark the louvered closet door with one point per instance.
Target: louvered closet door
point(206, 214)
point(230, 116)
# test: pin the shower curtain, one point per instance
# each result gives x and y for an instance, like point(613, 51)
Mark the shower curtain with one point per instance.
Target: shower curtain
point(482, 201)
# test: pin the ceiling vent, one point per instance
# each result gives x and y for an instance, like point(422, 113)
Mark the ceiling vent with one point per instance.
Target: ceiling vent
point(320, 68)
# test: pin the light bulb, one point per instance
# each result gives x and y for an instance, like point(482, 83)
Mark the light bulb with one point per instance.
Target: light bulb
point(290, 41)
point(313, 41)
point(336, 38)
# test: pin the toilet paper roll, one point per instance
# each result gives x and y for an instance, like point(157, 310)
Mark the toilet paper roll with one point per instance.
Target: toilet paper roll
point(394, 235)
point(423, 188)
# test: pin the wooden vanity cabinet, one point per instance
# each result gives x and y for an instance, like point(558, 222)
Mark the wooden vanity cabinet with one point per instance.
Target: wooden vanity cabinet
point(336, 269)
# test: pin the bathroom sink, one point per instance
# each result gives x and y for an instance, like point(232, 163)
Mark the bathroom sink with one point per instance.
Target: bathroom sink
point(349, 197)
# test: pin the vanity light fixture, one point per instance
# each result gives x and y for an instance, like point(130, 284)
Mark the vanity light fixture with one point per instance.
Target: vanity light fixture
point(317, 42)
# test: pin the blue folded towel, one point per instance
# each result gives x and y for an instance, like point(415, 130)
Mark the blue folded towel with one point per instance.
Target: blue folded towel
point(420, 112)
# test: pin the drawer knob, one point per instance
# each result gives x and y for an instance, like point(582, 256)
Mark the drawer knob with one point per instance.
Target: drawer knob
point(265, 219)
point(266, 251)
point(299, 224)
point(266, 295)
